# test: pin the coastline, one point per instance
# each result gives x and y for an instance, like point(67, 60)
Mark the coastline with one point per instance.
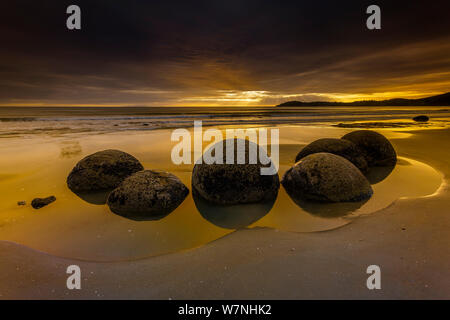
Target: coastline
point(408, 239)
point(55, 121)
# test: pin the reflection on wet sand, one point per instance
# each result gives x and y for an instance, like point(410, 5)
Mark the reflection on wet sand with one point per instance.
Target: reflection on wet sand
point(234, 216)
point(70, 149)
point(98, 198)
point(378, 174)
point(140, 217)
point(329, 210)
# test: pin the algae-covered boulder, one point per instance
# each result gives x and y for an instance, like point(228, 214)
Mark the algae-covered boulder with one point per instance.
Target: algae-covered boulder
point(147, 195)
point(102, 170)
point(340, 147)
point(377, 150)
point(326, 177)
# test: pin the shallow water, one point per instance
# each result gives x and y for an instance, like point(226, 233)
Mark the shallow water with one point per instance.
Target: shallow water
point(54, 121)
point(85, 229)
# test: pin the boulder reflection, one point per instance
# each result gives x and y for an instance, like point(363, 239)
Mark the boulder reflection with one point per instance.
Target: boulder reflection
point(233, 216)
point(98, 198)
point(328, 210)
point(378, 174)
point(141, 217)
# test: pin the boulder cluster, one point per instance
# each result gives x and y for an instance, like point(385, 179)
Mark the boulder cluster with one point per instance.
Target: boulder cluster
point(326, 177)
point(326, 171)
point(332, 170)
point(147, 194)
point(131, 191)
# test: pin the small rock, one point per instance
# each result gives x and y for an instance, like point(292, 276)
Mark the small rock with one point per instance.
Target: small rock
point(377, 150)
point(102, 170)
point(325, 177)
point(421, 118)
point(147, 195)
point(38, 203)
point(21, 203)
point(340, 147)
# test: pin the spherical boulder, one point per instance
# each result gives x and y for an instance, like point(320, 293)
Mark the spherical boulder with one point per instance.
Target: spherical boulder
point(229, 181)
point(326, 177)
point(340, 147)
point(377, 150)
point(103, 170)
point(147, 195)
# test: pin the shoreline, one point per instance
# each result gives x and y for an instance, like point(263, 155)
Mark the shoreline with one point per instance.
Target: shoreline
point(66, 121)
point(414, 262)
point(70, 213)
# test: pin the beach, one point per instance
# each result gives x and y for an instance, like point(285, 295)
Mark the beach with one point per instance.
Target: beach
point(282, 251)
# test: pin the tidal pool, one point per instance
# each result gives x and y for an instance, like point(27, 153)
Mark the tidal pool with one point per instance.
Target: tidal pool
point(84, 228)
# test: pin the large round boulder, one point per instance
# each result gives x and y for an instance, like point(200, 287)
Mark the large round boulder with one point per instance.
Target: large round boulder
point(147, 195)
point(326, 177)
point(340, 147)
point(377, 150)
point(229, 181)
point(103, 170)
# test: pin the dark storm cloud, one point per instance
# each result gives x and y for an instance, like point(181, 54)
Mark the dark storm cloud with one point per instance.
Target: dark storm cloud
point(229, 52)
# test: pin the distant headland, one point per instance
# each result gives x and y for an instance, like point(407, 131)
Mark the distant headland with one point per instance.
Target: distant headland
point(438, 100)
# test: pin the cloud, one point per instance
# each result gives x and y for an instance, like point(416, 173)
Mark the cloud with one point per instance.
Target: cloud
point(220, 53)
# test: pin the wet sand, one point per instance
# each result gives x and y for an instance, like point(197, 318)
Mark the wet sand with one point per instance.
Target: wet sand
point(87, 230)
point(408, 239)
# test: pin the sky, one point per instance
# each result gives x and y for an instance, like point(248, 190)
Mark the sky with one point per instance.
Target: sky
point(220, 53)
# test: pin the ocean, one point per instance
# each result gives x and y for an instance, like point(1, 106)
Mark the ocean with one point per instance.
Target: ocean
point(25, 121)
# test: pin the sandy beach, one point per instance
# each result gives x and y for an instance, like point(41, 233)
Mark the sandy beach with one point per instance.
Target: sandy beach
point(225, 150)
point(284, 252)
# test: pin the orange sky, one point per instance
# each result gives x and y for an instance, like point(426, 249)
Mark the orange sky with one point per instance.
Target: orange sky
point(234, 53)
